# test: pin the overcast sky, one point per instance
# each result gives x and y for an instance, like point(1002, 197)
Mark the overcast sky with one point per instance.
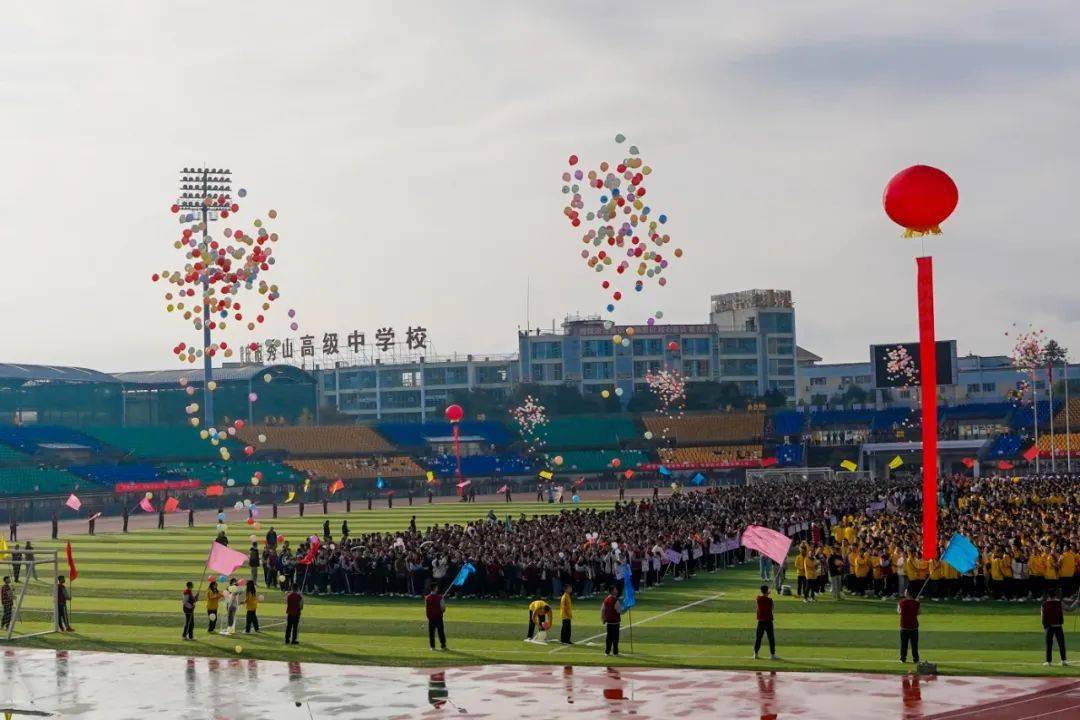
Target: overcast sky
point(413, 151)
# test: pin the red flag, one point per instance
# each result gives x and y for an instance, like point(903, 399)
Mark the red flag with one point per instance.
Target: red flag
point(171, 505)
point(309, 557)
point(968, 462)
point(336, 485)
point(1005, 465)
point(215, 490)
point(1031, 453)
point(72, 572)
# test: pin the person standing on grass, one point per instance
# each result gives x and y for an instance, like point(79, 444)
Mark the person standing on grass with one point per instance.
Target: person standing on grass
point(294, 605)
point(1053, 622)
point(126, 514)
point(435, 608)
point(251, 603)
point(325, 507)
point(28, 561)
point(566, 612)
point(611, 616)
point(908, 608)
point(253, 561)
point(55, 526)
point(63, 597)
point(16, 561)
point(765, 623)
point(13, 527)
point(232, 604)
point(836, 573)
point(189, 600)
point(213, 599)
point(91, 525)
point(191, 517)
point(161, 518)
point(7, 600)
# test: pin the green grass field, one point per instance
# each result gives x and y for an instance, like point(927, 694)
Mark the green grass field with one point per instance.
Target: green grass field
point(127, 599)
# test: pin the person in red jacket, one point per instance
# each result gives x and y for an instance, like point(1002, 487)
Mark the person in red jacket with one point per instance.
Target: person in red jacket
point(908, 608)
point(294, 605)
point(1053, 622)
point(435, 607)
point(765, 623)
point(611, 616)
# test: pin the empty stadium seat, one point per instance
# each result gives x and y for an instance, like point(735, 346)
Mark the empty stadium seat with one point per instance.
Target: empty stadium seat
point(30, 438)
point(415, 435)
point(590, 461)
point(157, 443)
point(719, 454)
point(708, 428)
point(360, 468)
point(482, 465)
point(18, 481)
point(588, 431)
point(324, 440)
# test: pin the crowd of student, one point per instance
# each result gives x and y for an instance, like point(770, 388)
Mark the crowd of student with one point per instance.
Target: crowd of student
point(660, 539)
point(1027, 530)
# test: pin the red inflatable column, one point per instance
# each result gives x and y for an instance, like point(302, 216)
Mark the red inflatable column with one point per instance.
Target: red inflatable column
point(928, 362)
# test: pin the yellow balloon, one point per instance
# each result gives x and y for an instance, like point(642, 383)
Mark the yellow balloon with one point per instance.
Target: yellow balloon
point(604, 394)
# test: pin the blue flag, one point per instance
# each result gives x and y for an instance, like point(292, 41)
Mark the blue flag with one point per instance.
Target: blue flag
point(628, 599)
point(698, 479)
point(961, 554)
point(664, 471)
point(379, 483)
point(463, 574)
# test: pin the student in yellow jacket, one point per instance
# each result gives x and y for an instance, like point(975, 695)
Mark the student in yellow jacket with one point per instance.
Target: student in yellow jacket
point(566, 612)
point(800, 571)
point(251, 603)
point(213, 599)
point(810, 568)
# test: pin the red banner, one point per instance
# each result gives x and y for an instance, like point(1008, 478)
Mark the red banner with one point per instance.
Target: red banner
point(928, 361)
point(157, 485)
point(719, 464)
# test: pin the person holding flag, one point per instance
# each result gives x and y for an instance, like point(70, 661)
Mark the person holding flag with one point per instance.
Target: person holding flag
point(435, 608)
point(189, 600)
point(611, 616)
point(765, 623)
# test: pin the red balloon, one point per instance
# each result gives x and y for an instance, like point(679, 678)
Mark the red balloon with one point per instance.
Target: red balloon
point(454, 413)
point(573, 159)
point(616, 463)
point(920, 198)
point(673, 346)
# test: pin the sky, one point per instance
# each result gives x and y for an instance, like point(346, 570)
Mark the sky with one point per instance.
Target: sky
point(413, 151)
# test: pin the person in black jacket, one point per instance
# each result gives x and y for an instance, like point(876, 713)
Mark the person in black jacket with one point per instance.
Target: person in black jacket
point(253, 561)
point(55, 526)
point(126, 515)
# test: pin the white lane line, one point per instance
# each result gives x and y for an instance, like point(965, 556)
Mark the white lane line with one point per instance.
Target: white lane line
point(642, 622)
point(998, 706)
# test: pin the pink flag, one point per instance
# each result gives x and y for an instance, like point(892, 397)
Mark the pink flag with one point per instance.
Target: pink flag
point(146, 506)
point(223, 561)
point(768, 542)
point(73, 502)
point(501, 490)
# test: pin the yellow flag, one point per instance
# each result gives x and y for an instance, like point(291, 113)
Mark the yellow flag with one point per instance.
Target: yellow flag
point(849, 466)
point(3, 548)
point(895, 463)
point(546, 474)
point(291, 496)
point(430, 476)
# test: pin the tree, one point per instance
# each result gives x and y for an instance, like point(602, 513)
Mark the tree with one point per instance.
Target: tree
point(1053, 353)
point(852, 395)
point(775, 398)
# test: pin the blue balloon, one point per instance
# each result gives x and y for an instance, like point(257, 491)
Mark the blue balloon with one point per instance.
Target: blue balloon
point(221, 517)
point(603, 198)
point(614, 192)
point(610, 308)
point(663, 219)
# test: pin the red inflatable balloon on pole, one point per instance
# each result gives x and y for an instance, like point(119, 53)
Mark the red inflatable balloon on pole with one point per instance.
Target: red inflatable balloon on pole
point(919, 199)
point(454, 414)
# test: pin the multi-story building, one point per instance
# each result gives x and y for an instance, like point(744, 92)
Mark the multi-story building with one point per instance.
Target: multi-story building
point(749, 341)
point(414, 391)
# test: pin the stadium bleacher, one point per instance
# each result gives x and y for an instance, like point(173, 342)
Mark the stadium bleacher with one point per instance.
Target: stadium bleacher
point(360, 468)
point(241, 472)
point(788, 423)
point(481, 465)
point(156, 443)
point(588, 431)
point(107, 476)
point(1006, 445)
point(416, 435)
point(718, 455)
point(314, 441)
point(592, 461)
point(31, 438)
point(709, 427)
point(21, 481)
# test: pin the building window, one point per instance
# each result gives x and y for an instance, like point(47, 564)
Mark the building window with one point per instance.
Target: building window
point(538, 373)
point(695, 346)
point(644, 367)
point(597, 370)
point(781, 366)
point(818, 381)
point(696, 368)
point(862, 379)
point(738, 346)
point(648, 346)
point(546, 350)
point(490, 375)
point(775, 322)
point(989, 387)
point(597, 348)
point(781, 346)
point(738, 367)
point(972, 388)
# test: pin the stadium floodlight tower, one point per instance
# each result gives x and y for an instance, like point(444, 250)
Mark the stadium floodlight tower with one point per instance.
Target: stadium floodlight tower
point(205, 192)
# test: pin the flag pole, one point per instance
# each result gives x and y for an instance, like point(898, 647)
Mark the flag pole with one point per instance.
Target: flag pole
point(630, 612)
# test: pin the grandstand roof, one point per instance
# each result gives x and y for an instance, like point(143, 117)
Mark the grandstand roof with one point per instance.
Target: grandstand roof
point(51, 373)
point(222, 374)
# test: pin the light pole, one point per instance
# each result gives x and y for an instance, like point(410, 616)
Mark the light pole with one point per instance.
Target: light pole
point(206, 193)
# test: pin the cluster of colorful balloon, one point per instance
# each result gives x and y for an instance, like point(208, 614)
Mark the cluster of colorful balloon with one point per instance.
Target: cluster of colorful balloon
point(622, 232)
point(207, 288)
point(531, 418)
point(669, 387)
